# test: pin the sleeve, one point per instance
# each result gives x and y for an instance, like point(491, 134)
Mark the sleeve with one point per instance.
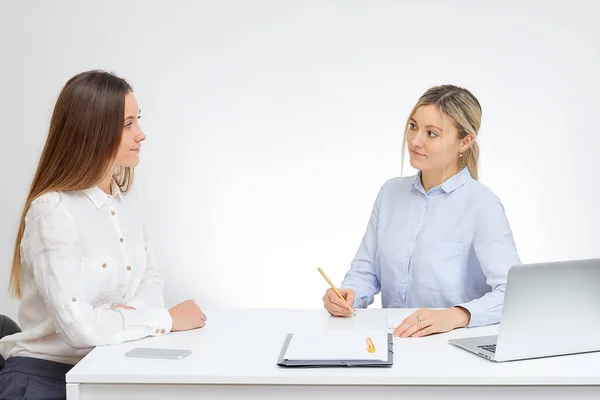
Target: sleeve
point(362, 276)
point(496, 251)
point(49, 247)
point(150, 292)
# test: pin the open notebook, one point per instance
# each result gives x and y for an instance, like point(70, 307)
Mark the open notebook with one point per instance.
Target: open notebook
point(337, 348)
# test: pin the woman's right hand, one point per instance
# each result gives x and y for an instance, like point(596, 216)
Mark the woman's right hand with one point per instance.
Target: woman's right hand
point(186, 316)
point(338, 307)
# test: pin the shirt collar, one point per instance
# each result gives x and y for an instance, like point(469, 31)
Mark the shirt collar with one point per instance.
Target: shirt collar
point(99, 198)
point(457, 180)
point(116, 190)
point(450, 185)
point(417, 184)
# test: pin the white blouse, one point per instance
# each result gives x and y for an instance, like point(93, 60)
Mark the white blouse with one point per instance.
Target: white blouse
point(83, 253)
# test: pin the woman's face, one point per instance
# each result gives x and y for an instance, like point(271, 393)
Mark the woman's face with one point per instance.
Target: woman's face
point(132, 137)
point(431, 148)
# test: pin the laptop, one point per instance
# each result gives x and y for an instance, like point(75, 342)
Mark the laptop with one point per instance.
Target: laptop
point(549, 309)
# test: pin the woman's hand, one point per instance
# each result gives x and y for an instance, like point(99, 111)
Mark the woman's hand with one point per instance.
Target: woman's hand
point(336, 306)
point(186, 316)
point(125, 306)
point(425, 322)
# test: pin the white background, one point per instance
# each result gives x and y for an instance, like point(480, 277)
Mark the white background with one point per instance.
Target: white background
point(272, 124)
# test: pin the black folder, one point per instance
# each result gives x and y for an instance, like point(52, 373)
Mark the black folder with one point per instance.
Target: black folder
point(284, 362)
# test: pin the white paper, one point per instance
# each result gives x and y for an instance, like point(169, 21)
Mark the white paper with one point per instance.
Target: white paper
point(337, 345)
point(393, 320)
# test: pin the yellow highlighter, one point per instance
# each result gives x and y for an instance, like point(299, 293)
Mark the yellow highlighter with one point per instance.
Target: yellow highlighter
point(370, 345)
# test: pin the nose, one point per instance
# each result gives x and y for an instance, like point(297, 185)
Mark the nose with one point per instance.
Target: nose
point(417, 139)
point(141, 136)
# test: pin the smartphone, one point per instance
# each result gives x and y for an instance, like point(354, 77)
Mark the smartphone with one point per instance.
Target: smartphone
point(149, 352)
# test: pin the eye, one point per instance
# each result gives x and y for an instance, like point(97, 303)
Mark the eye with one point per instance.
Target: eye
point(411, 126)
point(431, 134)
point(128, 125)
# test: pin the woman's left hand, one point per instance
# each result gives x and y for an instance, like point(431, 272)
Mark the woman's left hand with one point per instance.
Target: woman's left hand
point(125, 306)
point(425, 322)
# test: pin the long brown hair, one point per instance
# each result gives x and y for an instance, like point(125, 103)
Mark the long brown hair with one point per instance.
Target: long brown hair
point(464, 110)
point(82, 144)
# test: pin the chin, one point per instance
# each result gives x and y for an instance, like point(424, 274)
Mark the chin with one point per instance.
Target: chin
point(416, 164)
point(129, 163)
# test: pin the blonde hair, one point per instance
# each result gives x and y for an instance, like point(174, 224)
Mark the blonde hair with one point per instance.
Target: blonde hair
point(83, 140)
point(465, 111)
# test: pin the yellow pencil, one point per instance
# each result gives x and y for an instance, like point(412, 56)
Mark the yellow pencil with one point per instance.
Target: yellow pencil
point(336, 291)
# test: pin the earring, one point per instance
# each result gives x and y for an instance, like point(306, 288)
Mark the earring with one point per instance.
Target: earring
point(460, 155)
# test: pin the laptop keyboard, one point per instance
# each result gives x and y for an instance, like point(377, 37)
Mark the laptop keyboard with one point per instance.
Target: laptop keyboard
point(489, 347)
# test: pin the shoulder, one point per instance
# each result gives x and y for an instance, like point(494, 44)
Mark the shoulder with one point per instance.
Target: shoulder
point(398, 183)
point(48, 219)
point(486, 205)
point(45, 205)
point(396, 186)
point(482, 195)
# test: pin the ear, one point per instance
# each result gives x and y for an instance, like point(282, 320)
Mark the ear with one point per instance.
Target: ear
point(466, 142)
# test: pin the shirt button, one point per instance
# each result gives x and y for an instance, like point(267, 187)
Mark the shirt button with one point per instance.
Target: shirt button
point(407, 254)
point(162, 331)
point(121, 240)
point(129, 268)
point(403, 280)
point(104, 265)
point(74, 299)
point(112, 212)
point(156, 331)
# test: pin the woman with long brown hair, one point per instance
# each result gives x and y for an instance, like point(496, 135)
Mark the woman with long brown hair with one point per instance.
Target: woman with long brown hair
point(83, 266)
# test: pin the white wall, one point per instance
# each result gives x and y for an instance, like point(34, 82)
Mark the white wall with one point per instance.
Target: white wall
point(272, 124)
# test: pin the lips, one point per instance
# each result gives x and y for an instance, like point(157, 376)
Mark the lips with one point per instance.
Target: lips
point(417, 153)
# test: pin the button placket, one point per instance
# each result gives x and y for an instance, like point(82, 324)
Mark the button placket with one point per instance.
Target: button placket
point(125, 258)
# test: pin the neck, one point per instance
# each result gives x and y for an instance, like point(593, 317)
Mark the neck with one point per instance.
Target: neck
point(106, 186)
point(431, 179)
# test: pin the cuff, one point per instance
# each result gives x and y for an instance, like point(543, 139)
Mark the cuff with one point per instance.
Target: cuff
point(151, 321)
point(164, 322)
point(361, 299)
point(480, 316)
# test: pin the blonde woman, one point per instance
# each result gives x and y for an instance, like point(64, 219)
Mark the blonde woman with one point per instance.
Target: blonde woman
point(83, 265)
point(438, 240)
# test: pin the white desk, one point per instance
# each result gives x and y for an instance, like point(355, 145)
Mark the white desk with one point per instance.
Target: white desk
point(235, 357)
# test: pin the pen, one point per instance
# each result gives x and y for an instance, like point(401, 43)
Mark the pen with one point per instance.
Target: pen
point(336, 291)
point(370, 345)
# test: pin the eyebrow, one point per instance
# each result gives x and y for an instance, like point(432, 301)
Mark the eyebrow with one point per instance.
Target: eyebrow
point(131, 116)
point(426, 126)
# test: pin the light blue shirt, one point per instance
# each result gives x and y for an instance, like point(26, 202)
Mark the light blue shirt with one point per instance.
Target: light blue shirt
point(451, 246)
